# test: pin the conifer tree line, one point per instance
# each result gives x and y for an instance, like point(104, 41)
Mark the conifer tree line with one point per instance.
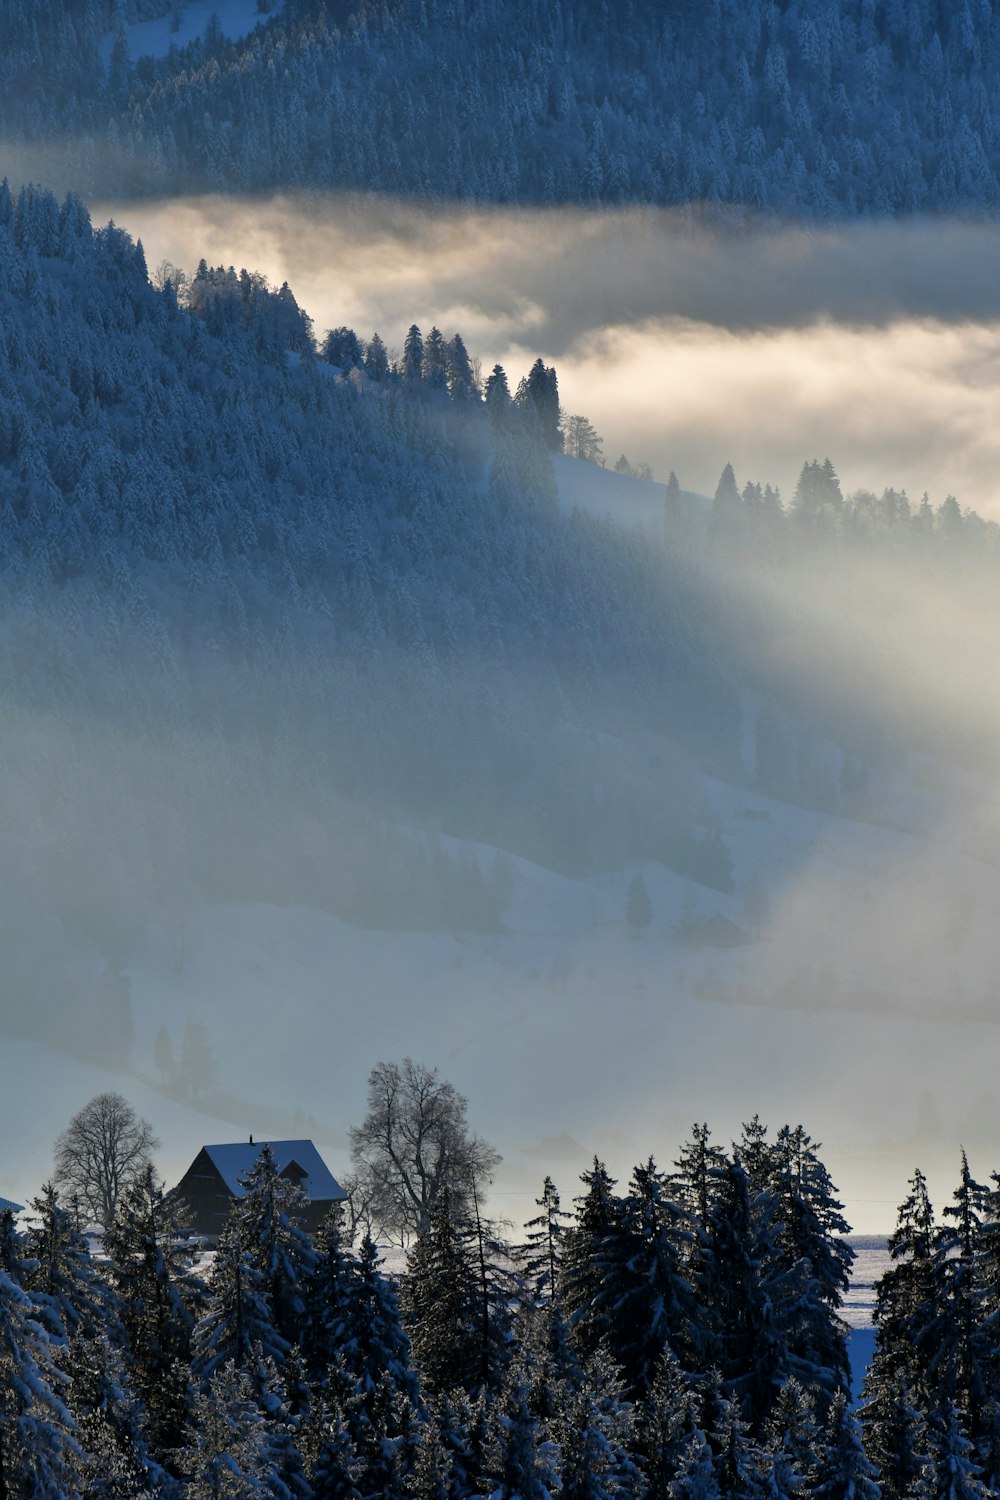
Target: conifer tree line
point(845, 108)
point(680, 1337)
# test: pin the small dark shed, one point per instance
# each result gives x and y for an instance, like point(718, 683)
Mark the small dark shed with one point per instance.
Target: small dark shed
point(213, 1180)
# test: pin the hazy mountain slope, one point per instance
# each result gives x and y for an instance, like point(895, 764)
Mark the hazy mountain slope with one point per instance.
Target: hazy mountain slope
point(252, 610)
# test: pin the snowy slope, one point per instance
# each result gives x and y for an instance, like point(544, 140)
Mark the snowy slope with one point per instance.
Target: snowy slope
point(569, 1035)
point(185, 22)
point(603, 493)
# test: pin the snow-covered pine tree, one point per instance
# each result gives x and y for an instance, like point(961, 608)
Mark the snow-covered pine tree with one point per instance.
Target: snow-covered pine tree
point(378, 1348)
point(957, 1346)
point(808, 1271)
point(953, 1473)
point(39, 1452)
point(441, 1303)
point(225, 1456)
point(791, 1449)
point(896, 1439)
point(599, 1216)
point(542, 1251)
point(150, 1257)
point(899, 1386)
point(844, 1471)
point(695, 1477)
point(698, 1184)
point(331, 1298)
point(269, 1218)
point(593, 1427)
point(331, 1458)
point(519, 1461)
point(666, 1418)
point(644, 1298)
point(237, 1326)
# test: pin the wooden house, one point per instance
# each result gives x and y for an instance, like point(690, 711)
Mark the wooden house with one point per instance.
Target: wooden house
point(216, 1177)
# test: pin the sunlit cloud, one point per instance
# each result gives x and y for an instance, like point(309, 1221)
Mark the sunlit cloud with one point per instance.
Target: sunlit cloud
point(875, 345)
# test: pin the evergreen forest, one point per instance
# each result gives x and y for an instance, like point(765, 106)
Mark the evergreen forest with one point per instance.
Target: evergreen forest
point(679, 1339)
point(839, 109)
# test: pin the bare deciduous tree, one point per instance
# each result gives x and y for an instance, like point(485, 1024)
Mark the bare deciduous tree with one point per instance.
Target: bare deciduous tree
point(104, 1148)
point(413, 1143)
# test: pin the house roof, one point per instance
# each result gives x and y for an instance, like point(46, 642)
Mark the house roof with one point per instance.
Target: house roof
point(237, 1159)
point(15, 1208)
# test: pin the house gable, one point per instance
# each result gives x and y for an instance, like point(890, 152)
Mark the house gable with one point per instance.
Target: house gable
point(214, 1180)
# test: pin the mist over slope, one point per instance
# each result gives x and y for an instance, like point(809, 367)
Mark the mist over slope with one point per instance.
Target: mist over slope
point(843, 110)
point(294, 633)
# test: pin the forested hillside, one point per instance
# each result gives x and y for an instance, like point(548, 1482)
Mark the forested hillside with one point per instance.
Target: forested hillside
point(844, 108)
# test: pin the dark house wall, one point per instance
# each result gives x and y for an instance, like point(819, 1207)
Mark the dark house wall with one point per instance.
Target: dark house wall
point(204, 1191)
point(207, 1196)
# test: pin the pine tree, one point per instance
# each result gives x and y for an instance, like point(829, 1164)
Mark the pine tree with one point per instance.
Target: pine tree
point(952, 1473)
point(738, 1333)
point(791, 1448)
point(39, 1453)
point(697, 1184)
point(694, 1478)
point(342, 348)
point(225, 1456)
point(898, 1385)
point(441, 1303)
point(149, 1254)
point(332, 1462)
point(538, 397)
point(666, 1419)
point(376, 359)
point(809, 1269)
point(644, 1297)
point(432, 1471)
point(517, 1460)
point(594, 1428)
point(331, 1298)
point(378, 1348)
point(72, 1297)
point(238, 1324)
point(434, 367)
point(599, 1215)
point(956, 1346)
point(737, 1463)
point(896, 1440)
point(412, 365)
point(461, 378)
point(843, 1470)
point(543, 1249)
point(269, 1215)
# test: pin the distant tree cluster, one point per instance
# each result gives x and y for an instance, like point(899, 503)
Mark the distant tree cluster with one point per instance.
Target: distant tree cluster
point(680, 1338)
point(852, 108)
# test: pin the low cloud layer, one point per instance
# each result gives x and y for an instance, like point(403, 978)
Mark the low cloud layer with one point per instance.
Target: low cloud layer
point(875, 345)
